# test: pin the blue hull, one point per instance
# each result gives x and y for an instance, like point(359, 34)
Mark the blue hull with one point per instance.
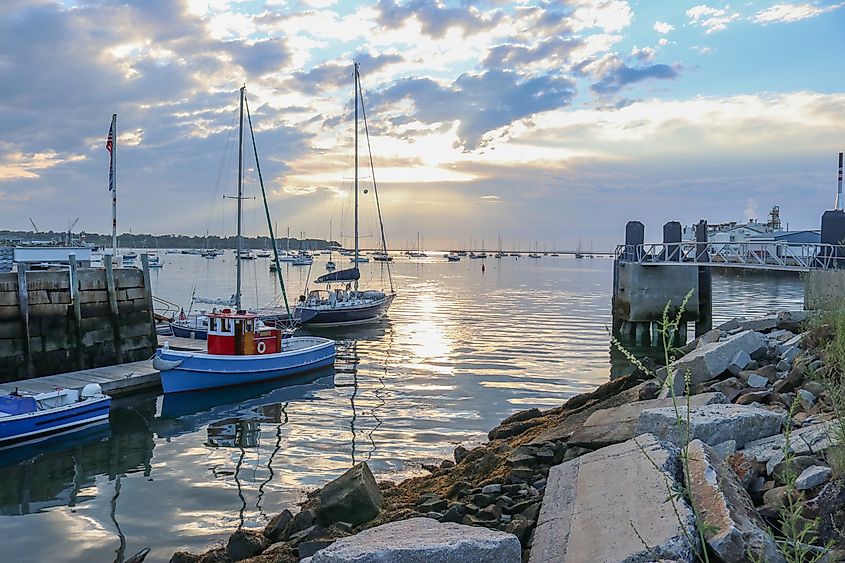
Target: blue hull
point(39, 424)
point(206, 371)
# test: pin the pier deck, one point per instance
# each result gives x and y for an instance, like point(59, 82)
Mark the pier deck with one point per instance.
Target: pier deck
point(114, 380)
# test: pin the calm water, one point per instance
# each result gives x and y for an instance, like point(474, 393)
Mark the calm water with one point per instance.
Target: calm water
point(460, 351)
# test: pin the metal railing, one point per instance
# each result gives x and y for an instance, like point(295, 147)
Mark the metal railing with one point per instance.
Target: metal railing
point(758, 255)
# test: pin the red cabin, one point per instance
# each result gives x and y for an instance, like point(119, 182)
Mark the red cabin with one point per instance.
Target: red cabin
point(241, 334)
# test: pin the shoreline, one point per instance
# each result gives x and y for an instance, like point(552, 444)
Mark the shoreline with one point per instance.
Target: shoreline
point(501, 485)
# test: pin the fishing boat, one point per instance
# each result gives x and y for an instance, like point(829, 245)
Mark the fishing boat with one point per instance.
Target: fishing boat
point(240, 348)
point(342, 302)
point(27, 417)
point(194, 326)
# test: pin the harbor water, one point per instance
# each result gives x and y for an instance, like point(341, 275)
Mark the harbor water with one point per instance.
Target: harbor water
point(461, 350)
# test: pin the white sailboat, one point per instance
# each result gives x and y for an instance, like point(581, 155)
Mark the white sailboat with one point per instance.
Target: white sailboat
point(343, 302)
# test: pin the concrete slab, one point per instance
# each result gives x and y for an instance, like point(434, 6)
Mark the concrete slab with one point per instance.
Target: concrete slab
point(605, 505)
point(611, 426)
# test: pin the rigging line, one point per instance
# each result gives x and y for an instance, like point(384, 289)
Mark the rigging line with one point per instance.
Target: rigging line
point(267, 211)
point(375, 188)
point(238, 481)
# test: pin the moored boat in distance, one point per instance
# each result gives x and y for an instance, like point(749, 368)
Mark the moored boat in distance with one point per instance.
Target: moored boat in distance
point(27, 417)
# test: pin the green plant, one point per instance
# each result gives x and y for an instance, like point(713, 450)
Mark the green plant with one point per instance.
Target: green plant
point(668, 329)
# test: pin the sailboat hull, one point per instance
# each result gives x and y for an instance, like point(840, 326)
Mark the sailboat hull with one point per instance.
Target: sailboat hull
point(343, 314)
point(209, 371)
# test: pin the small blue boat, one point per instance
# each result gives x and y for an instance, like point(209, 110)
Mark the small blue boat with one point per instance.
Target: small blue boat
point(241, 350)
point(24, 417)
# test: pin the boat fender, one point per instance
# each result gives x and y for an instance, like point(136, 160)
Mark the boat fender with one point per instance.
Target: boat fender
point(163, 365)
point(262, 347)
point(91, 390)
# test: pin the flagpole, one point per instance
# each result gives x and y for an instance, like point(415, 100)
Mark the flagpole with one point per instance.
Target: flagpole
point(114, 189)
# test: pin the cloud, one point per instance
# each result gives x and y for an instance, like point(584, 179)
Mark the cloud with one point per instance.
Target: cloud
point(552, 52)
point(479, 102)
point(662, 27)
point(435, 18)
point(644, 54)
point(334, 74)
point(711, 19)
point(617, 75)
point(788, 13)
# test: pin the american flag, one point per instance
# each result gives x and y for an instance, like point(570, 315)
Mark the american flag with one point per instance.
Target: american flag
point(110, 147)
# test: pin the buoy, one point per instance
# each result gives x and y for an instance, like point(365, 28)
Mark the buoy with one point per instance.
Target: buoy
point(262, 347)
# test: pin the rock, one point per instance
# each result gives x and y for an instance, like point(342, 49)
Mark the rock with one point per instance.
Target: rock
point(454, 514)
point(519, 459)
point(711, 360)
point(309, 548)
point(580, 515)
point(828, 507)
point(814, 387)
point(524, 474)
point(769, 322)
point(757, 381)
point(460, 453)
point(711, 423)
point(735, 532)
point(423, 540)
point(491, 489)
point(575, 452)
point(217, 555)
point(510, 430)
point(776, 497)
point(726, 448)
point(745, 467)
point(769, 371)
point(813, 476)
point(301, 520)
point(275, 528)
point(809, 440)
point(353, 497)
point(246, 543)
point(184, 557)
point(433, 505)
point(739, 362)
point(763, 397)
point(447, 464)
point(730, 388)
point(807, 399)
point(618, 424)
point(522, 416)
point(792, 320)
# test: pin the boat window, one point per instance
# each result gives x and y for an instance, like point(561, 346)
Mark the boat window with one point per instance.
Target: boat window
point(226, 327)
point(248, 326)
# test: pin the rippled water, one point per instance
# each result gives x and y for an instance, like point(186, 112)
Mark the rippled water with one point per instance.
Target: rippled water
point(461, 350)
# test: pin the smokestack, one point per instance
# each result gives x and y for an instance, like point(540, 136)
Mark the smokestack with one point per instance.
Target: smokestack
point(839, 186)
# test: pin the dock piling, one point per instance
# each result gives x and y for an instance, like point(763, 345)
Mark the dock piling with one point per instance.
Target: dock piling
point(23, 301)
point(114, 315)
point(77, 313)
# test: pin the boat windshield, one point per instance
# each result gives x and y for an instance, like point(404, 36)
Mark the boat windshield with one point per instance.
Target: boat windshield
point(17, 405)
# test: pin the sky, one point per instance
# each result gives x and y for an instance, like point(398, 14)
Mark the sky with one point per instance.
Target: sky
point(543, 123)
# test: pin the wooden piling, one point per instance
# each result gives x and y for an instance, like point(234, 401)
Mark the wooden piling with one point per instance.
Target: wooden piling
point(705, 282)
point(113, 311)
point(148, 296)
point(23, 303)
point(77, 312)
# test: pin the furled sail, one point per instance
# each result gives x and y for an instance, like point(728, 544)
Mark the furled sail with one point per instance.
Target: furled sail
point(350, 274)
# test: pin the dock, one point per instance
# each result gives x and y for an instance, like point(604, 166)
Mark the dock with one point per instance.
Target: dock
point(120, 379)
point(114, 380)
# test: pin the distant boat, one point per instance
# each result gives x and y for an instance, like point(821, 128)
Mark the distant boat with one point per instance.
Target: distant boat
point(359, 260)
point(452, 257)
point(27, 417)
point(579, 252)
point(302, 259)
point(240, 348)
point(330, 265)
point(246, 255)
point(262, 254)
point(382, 257)
point(347, 304)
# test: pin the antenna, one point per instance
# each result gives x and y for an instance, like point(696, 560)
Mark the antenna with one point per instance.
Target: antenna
point(838, 205)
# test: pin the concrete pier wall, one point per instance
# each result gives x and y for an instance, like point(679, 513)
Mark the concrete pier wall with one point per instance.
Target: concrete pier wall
point(641, 292)
point(824, 289)
point(59, 321)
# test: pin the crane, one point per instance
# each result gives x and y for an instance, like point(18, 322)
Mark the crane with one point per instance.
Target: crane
point(34, 226)
point(69, 229)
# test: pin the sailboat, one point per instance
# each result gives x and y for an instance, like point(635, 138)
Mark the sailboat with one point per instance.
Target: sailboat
point(240, 348)
point(348, 304)
point(579, 252)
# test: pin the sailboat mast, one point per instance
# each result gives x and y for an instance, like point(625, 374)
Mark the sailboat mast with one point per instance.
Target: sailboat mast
point(355, 96)
point(114, 188)
point(240, 200)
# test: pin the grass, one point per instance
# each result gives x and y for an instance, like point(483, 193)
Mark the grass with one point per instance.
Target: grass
point(826, 336)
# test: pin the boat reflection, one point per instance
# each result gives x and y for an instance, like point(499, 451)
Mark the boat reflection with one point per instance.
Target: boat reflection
point(54, 472)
